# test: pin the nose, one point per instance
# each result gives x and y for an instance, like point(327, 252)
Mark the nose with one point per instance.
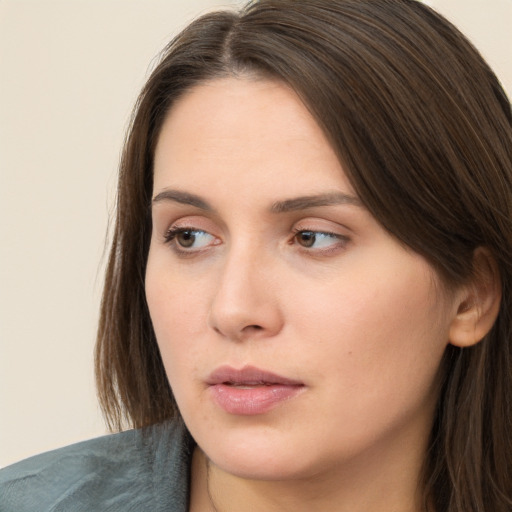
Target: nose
point(245, 304)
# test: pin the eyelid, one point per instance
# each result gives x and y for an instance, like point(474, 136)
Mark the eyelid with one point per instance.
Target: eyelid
point(322, 225)
point(188, 222)
point(167, 214)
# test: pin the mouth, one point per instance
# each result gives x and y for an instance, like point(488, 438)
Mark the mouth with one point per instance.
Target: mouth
point(250, 390)
point(248, 376)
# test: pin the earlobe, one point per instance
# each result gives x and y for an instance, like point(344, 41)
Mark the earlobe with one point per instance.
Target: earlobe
point(478, 303)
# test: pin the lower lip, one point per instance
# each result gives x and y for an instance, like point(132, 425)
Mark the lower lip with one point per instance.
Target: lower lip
point(254, 400)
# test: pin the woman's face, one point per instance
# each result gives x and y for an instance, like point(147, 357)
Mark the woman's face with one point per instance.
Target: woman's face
point(298, 336)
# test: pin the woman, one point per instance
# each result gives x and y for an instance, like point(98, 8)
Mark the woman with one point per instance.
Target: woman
point(311, 268)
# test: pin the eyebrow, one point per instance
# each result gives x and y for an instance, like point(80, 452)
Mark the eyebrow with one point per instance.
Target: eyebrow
point(182, 197)
point(287, 205)
point(305, 202)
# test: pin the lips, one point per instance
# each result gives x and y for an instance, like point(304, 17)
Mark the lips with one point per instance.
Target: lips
point(250, 391)
point(248, 376)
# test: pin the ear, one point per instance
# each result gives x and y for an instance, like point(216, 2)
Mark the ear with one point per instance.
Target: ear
point(478, 301)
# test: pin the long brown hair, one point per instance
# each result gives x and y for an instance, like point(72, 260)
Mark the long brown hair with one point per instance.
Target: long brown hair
point(423, 130)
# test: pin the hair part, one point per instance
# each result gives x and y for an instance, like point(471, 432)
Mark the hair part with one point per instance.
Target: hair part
point(423, 131)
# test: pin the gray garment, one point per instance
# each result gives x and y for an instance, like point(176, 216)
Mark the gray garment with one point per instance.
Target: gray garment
point(137, 470)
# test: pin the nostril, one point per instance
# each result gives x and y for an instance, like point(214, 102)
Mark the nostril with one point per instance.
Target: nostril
point(254, 327)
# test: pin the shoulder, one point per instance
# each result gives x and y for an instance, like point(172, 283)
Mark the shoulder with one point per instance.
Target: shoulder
point(135, 470)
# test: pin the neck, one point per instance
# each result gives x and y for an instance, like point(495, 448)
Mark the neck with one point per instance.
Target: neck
point(356, 487)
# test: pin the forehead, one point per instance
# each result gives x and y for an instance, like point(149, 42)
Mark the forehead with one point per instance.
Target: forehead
point(236, 131)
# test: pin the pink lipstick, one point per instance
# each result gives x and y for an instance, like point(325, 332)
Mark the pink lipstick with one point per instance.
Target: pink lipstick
point(250, 391)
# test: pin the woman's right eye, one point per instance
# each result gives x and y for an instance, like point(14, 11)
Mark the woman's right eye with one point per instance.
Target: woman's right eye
point(189, 239)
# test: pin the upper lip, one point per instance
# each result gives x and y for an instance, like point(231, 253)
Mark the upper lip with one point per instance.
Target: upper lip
point(248, 375)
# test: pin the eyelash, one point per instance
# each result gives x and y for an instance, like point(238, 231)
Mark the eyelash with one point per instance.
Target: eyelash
point(173, 232)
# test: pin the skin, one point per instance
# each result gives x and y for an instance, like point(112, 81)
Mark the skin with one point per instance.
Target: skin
point(355, 316)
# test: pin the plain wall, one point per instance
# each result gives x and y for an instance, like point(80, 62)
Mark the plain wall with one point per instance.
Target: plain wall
point(70, 71)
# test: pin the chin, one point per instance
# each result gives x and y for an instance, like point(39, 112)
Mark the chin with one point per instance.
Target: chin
point(263, 455)
point(258, 466)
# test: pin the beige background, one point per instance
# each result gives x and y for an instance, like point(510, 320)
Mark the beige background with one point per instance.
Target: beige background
point(70, 71)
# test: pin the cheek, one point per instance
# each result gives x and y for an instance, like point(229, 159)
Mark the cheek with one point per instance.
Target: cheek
point(177, 309)
point(377, 335)
point(175, 297)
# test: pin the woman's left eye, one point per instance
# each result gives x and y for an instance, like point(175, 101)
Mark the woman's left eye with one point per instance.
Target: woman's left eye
point(318, 239)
